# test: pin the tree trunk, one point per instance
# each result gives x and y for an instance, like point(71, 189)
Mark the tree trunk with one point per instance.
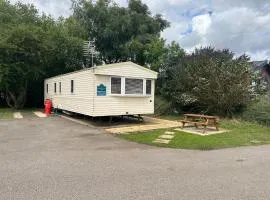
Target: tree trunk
point(17, 100)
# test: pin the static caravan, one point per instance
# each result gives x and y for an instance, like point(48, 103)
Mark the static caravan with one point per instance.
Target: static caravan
point(108, 90)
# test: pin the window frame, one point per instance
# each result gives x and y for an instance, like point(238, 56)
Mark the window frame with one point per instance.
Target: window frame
point(121, 85)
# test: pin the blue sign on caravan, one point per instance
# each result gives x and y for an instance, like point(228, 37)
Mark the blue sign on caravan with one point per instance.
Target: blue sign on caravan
point(101, 90)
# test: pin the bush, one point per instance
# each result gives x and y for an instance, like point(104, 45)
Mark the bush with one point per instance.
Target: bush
point(209, 81)
point(162, 106)
point(259, 111)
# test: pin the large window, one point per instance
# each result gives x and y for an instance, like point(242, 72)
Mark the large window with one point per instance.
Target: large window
point(115, 85)
point(72, 86)
point(148, 87)
point(133, 86)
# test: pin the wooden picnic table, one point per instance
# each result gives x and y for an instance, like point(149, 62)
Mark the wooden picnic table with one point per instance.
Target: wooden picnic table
point(200, 120)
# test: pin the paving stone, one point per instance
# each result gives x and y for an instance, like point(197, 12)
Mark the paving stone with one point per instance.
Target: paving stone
point(40, 114)
point(166, 136)
point(163, 141)
point(17, 115)
point(255, 141)
point(169, 133)
point(152, 123)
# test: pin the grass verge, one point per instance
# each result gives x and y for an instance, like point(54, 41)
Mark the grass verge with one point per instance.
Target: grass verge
point(6, 113)
point(241, 134)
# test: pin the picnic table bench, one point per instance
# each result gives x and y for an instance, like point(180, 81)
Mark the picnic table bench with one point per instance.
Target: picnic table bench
point(200, 120)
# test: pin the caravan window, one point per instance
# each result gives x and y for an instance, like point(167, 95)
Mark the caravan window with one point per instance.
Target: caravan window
point(133, 86)
point(72, 86)
point(54, 87)
point(60, 87)
point(47, 88)
point(148, 87)
point(115, 85)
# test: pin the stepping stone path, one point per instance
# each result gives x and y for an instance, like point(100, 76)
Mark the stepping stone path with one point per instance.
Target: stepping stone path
point(17, 115)
point(165, 138)
point(40, 114)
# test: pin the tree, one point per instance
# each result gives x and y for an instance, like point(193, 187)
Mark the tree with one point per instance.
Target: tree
point(210, 81)
point(120, 33)
point(172, 54)
point(33, 47)
point(20, 51)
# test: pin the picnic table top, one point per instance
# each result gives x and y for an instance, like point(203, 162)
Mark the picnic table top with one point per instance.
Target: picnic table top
point(201, 116)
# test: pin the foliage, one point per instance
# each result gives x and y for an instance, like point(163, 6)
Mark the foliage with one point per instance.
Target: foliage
point(259, 111)
point(259, 85)
point(162, 106)
point(209, 81)
point(240, 134)
point(121, 33)
point(33, 47)
point(172, 54)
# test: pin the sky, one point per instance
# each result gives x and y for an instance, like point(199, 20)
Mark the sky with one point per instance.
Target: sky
point(239, 25)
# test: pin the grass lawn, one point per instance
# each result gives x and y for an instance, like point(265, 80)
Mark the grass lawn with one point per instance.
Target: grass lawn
point(241, 134)
point(6, 113)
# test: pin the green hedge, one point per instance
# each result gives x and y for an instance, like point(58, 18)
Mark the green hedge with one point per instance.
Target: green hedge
point(259, 111)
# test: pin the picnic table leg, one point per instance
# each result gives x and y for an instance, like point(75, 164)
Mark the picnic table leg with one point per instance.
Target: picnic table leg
point(206, 123)
point(183, 123)
point(204, 129)
point(216, 124)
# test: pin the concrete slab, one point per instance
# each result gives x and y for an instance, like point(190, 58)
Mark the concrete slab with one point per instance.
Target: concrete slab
point(169, 133)
point(200, 131)
point(163, 141)
point(166, 136)
point(40, 114)
point(155, 124)
point(17, 115)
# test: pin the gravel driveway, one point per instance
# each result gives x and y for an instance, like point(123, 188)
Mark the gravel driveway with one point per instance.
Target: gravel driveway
point(53, 158)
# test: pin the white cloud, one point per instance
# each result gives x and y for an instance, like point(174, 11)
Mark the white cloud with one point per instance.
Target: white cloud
point(201, 24)
point(241, 26)
point(54, 8)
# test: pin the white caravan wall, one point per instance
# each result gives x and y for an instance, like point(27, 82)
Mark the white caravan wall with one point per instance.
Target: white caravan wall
point(81, 101)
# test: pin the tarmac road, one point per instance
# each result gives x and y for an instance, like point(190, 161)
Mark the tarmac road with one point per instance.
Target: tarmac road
point(53, 158)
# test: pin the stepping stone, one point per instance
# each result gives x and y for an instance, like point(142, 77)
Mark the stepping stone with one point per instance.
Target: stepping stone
point(17, 115)
point(178, 129)
point(40, 114)
point(255, 141)
point(166, 136)
point(169, 133)
point(161, 141)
